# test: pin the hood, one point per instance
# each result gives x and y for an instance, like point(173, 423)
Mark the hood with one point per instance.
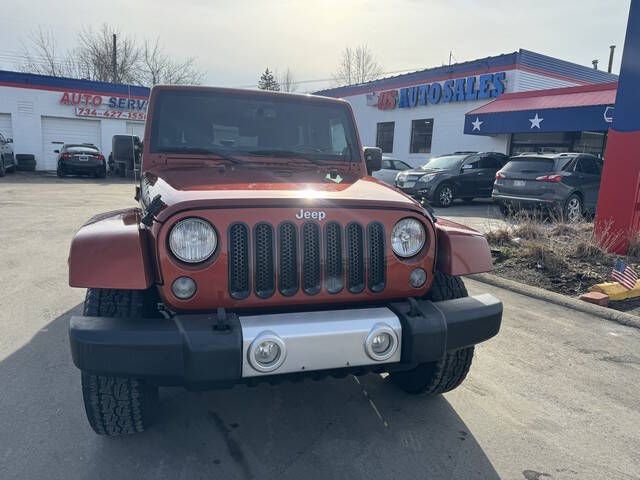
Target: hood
point(255, 187)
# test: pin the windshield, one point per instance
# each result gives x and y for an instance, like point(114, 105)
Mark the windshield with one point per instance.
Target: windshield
point(535, 164)
point(443, 163)
point(215, 122)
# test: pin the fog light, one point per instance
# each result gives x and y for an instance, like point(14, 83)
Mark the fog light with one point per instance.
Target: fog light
point(267, 352)
point(183, 287)
point(417, 278)
point(381, 343)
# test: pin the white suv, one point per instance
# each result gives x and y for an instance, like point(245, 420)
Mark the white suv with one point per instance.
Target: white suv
point(7, 159)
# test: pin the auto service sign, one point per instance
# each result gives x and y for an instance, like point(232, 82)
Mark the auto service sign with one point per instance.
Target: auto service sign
point(91, 105)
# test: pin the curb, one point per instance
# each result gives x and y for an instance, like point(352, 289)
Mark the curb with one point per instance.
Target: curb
point(558, 299)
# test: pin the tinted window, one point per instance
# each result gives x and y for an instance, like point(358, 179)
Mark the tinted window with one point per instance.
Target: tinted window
point(211, 121)
point(384, 136)
point(490, 162)
point(421, 133)
point(473, 162)
point(444, 163)
point(80, 149)
point(401, 165)
point(386, 164)
point(587, 165)
point(530, 165)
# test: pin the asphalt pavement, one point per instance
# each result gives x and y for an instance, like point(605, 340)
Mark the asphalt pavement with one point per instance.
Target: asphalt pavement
point(554, 396)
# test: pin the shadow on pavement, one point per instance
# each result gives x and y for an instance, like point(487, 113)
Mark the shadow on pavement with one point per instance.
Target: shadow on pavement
point(307, 430)
point(51, 177)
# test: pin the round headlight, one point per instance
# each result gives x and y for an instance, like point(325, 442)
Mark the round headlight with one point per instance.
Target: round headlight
point(408, 237)
point(193, 240)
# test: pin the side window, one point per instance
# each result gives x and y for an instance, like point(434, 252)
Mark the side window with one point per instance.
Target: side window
point(401, 165)
point(386, 164)
point(2, 138)
point(587, 165)
point(489, 162)
point(472, 163)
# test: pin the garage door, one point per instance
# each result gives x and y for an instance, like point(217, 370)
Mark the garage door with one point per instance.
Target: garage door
point(56, 131)
point(135, 128)
point(5, 125)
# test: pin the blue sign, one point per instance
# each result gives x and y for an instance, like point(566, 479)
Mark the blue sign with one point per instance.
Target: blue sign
point(484, 87)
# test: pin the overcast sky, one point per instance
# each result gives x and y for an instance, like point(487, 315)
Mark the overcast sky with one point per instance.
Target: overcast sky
point(234, 41)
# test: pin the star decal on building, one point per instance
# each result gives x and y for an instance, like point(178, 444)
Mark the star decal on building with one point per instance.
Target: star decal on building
point(476, 124)
point(535, 121)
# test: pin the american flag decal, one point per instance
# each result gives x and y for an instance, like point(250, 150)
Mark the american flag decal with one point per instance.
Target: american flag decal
point(624, 274)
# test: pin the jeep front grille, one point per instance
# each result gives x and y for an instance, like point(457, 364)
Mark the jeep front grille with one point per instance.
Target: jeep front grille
point(311, 258)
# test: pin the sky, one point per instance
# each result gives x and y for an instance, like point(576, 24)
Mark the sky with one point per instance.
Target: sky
point(234, 41)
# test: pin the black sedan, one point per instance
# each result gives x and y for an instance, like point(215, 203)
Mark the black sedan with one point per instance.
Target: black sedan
point(443, 179)
point(81, 159)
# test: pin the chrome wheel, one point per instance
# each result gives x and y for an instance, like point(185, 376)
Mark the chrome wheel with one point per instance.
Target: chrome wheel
point(445, 197)
point(573, 209)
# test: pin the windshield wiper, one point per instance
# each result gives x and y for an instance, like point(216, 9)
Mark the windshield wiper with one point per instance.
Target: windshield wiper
point(204, 151)
point(284, 154)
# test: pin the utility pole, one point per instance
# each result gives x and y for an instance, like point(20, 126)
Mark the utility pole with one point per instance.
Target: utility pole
point(612, 49)
point(114, 60)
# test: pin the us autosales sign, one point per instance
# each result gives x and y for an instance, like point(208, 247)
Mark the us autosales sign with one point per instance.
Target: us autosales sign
point(90, 105)
point(490, 85)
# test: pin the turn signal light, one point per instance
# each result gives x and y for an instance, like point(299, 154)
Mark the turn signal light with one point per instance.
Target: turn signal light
point(550, 178)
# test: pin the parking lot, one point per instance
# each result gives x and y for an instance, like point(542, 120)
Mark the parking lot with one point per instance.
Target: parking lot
point(553, 396)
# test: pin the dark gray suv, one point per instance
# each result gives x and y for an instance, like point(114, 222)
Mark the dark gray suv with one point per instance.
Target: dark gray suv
point(566, 182)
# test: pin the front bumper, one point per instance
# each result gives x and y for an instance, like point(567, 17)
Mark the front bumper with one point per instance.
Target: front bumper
point(199, 350)
point(418, 190)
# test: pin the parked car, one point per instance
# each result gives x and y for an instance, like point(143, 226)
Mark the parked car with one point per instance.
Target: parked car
point(445, 178)
point(566, 182)
point(390, 169)
point(81, 159)
point(7, 159)
point(229, 271)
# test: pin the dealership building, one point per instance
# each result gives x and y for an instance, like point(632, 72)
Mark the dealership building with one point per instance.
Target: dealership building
point(511, 103)
point(41, 113)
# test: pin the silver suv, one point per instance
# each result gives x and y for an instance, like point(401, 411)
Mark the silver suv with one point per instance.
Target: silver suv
point(566, 182)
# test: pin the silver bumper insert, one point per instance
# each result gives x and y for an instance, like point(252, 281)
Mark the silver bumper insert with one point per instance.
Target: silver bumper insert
point(319, 340)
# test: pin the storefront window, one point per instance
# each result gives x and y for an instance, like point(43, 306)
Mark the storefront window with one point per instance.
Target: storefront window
point(384, 136)
point(558, 142)
point(421, 133)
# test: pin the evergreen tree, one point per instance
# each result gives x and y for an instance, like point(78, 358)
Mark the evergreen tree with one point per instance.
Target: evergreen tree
point(268, 82)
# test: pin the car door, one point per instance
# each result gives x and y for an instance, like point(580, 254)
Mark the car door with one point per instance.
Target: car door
point(386, 174)
point(468, 180)
point(587, 179)
point(486, 175)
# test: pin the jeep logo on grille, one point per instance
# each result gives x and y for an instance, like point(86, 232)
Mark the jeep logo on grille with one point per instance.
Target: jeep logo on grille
point(308, 214)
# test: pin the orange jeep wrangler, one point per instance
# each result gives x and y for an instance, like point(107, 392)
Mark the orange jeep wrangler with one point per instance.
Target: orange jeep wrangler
point(263, 250)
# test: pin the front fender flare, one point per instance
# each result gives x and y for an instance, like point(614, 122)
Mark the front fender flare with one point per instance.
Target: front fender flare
point(111, 251)
point(461, 250)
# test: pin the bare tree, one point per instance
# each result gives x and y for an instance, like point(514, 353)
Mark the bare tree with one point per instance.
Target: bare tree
point(43, 57)
point(145, 64)
point(287, 81)
point(357, 65)
point(157, 67)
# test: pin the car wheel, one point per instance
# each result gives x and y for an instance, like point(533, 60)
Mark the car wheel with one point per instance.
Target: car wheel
point(2, 169)
point(573, 209)
point(101, 172)
point(117, 405)
point(443, 196)
point(449, 372)
point(60, 171)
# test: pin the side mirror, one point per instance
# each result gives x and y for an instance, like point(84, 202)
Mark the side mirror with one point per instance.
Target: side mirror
point(9, 140)
point(56, 151)
point(373, 159)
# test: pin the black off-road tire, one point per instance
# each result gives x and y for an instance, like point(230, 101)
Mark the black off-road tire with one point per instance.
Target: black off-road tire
point(117, 405)
point(449, 372)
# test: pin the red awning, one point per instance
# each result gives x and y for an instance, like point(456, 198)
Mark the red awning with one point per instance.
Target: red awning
point(582, 96)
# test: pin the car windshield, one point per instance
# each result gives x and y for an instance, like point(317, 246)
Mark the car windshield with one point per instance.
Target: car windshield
point(443, 163)
point(204, 122)
point(536, 164)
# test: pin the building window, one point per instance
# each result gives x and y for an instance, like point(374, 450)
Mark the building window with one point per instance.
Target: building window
point(384, 136)
point(421, 133)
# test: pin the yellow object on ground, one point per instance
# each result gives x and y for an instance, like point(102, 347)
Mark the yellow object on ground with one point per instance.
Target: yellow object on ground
point(616, 291)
